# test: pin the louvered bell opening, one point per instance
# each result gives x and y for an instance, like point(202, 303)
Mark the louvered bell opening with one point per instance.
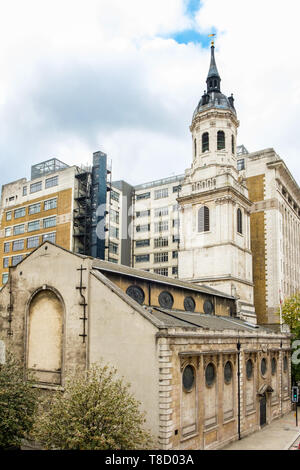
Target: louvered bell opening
point(203, 219)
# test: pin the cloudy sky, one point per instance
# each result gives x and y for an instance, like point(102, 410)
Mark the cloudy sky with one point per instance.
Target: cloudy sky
point(124, 77)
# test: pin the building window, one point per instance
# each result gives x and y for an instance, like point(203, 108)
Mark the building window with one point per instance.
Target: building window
point(53, 181)
point(114, 195)
point(16, 260)
point(189, 304)
point(221, 140)
point(232, 144)
point(34, 209)
point(49, 222)
point(161, 193)
point(241, 164)
point(50, 204)
point(142, 258)
point(239, 221)
point(210, 374)
point(114, 216)
point(34, 187)
point(33, 242)
point(112, 260)
point(175, 207)
point(49, 237)
point(143, 228)
point(141, 243)
point(113, 248)
point(175, 254)
point(5, 262)
point(142, 196)
point(249, 369)
point(195, 148)
point(18, 229)
point(161, 257)
point(8, 215)
point(143, 213)
point(175, 223)
point(165, 299)
point(285, 364)
point(263, 366)
point(18, 245)
point(161, 271)
point(4, 278)
point(205, 142)
point(228, 372)
point(8, 231)
point(34, 225)
point(114, 232)
point(20, 213)
point(160, 242)
point(188, 378)
point(136, 293)
point(203, 219)
point(176, 238)
point(24, 190)
point(176, 189)
point(6, 247)
point(161, 226)
point(161, 211)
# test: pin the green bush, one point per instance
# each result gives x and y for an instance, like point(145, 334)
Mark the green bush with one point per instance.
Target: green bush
point(17, 403)
point(95, 412)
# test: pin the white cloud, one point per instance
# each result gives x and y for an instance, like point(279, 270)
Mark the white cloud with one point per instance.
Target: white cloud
point(79, 76)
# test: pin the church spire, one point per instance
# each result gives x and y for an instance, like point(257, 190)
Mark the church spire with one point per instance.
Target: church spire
point(213, 78)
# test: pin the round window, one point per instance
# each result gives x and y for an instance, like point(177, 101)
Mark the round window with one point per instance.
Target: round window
point(136, 293)
point(188, 378)
point(273, 366)
point(189, 304)
point(249, 369)
point(165, 300)
point(210, 374)
point(228, 372)
point(208, 307)
point(263, 366)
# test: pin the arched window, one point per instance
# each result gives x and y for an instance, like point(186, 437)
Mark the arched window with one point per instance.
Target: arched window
point(232, 144)
point(239, 221)
point(205, 142)
point(203, 219)
point(44, 340)
point(221, 140)
point(195, 148)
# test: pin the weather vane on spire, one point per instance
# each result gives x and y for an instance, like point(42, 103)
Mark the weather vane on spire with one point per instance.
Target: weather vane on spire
point(212, 36)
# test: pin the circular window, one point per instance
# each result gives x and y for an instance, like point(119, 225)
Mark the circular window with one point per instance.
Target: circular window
point(263, 366)
point(273, 365)
point(165, 300)
point(188, 378)
point(208, 307)
point(210, 374)
point(249, 369)
point(136, 293)
point(285, 364)
point(189, 304)
point(228, 372)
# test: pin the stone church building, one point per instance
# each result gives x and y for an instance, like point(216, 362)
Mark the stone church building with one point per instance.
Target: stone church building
point(204, 376)
point(204, 370)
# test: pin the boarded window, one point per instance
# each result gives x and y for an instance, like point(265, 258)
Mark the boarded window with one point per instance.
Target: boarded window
point(203, 219)
point(45, 325)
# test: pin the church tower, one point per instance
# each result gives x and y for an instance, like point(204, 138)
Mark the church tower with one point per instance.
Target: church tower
point(215, 209)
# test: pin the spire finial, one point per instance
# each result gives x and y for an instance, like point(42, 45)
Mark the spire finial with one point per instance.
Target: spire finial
point(212, 43)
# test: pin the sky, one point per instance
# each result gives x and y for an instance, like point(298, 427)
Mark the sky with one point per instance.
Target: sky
point(124, 77)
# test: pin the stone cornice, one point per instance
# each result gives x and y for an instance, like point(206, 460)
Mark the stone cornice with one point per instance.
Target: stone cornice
point(224, 193)
point(214, 113)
